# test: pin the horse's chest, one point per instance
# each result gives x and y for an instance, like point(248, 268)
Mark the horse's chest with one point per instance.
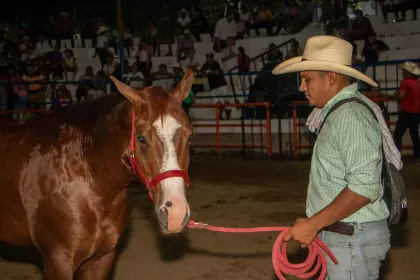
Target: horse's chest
point(112, 224)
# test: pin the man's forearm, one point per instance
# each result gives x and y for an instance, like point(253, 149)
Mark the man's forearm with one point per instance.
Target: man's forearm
point(344, 205)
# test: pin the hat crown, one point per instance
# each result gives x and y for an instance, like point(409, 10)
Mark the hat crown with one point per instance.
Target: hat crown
point(328, 48)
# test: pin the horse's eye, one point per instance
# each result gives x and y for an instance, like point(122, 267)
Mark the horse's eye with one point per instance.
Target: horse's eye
point(141, 139)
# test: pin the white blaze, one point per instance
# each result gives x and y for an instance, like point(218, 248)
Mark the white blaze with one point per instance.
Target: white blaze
point(166, 130)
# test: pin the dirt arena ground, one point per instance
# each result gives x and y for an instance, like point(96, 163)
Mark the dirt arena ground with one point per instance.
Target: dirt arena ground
point(233, 192)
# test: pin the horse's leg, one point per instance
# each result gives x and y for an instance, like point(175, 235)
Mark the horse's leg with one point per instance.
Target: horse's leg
point(57, 267)
point(97, 269)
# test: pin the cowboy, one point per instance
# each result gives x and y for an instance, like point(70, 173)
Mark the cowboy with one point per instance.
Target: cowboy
point(344, 204)
point(409, 97)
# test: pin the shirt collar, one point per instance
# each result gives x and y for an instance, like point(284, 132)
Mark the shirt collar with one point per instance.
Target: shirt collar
point(346, 92)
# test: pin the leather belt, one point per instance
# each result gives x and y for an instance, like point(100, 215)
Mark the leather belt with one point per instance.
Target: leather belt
point(340, 228)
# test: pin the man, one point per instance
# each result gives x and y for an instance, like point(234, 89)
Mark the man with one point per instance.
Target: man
point(409, 97)
point(345, 177)
point(186, 46)
point(225, 27)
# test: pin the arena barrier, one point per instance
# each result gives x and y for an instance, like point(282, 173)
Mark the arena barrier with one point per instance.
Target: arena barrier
point(303, 139)
point(245, 125)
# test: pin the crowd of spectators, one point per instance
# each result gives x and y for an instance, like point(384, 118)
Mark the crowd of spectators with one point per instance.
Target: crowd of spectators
point(38, 56)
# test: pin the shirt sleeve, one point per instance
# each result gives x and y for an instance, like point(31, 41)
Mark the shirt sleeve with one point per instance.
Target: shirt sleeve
point(359, 138)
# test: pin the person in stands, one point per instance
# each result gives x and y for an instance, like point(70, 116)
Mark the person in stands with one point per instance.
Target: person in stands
point(409, 97)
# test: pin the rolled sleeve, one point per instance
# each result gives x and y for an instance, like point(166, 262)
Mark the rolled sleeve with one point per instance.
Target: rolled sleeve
point(359, 139)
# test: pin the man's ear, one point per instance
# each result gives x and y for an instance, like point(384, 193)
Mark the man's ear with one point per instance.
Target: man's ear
point(183, 89)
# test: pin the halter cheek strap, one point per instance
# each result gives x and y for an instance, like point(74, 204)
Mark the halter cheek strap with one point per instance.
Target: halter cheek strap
point(138, 172)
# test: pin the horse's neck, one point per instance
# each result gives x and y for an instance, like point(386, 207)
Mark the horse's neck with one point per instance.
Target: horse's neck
point(110, 137)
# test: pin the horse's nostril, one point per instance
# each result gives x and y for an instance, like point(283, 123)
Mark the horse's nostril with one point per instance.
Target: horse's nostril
point(168, 204)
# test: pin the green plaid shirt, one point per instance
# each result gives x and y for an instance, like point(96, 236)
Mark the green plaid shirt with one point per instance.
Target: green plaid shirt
point(348, 153)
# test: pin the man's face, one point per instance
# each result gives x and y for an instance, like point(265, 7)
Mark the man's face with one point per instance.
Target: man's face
point(229, 17)
point(315, 87)
point(162, 69)
point(372, 39)
point(209, 59)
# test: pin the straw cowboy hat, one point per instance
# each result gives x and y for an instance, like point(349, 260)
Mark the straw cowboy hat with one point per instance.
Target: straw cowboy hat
point(102, 29)
point(410, 67)
point(324, 53)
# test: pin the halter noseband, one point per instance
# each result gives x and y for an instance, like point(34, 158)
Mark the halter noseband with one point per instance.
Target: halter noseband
point(151, 184)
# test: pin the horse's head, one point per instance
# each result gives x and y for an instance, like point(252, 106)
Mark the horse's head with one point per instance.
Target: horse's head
point(162, 133)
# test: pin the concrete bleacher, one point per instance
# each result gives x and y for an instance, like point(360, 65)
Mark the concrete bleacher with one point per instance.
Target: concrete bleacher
point(403, 38)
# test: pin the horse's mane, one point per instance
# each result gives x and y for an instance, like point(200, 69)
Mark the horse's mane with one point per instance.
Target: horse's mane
point(83, 115)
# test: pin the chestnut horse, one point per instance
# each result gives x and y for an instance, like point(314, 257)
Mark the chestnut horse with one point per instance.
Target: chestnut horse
point(64, 176)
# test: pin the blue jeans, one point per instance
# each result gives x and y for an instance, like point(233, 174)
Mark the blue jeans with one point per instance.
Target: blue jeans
point(359, 256)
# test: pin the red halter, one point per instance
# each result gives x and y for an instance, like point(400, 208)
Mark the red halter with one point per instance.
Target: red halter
point(151, 184)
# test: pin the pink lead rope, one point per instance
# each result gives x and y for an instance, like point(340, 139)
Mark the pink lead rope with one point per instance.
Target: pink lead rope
point(316, 258)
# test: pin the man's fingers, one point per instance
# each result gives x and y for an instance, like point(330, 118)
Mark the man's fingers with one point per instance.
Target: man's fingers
point(287, 237)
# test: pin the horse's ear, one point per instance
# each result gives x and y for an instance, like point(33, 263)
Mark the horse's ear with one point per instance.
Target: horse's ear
point(183, 89)
point(130, 93)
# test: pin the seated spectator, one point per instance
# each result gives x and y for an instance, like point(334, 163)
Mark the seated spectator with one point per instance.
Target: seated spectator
point(54, 61)
point(69, 64)
point(36, 91)
point(128, 40)
point(274, 55)
point(28, 55)
point(109, 66)
point(162, 73)
point(186, 47)
point(197, 85)
point(230, 51)
point(188, 102)
point(217, 83)
point(20, 95)
point(63, 96)
point(42, 47)
point(240, 27)
point(26, 43)
point(264, 19)
point(144, 58)
point(87, 77)
point(92, 92)
point(178, 73)
point(243, 61)
point(361, 27)
point(136, 78)
point(225, 27)
point(100, 82)
point(245, 17)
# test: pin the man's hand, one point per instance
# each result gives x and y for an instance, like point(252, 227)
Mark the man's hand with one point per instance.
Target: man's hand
point(304, 231)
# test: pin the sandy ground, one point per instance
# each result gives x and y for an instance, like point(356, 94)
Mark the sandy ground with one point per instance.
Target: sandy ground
point(233, 192)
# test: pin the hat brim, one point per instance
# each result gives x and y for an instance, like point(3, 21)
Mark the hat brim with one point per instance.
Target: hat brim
point(415, 71)
point(297, 65)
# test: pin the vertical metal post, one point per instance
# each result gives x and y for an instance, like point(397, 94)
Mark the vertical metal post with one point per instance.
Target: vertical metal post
point(243, 131)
